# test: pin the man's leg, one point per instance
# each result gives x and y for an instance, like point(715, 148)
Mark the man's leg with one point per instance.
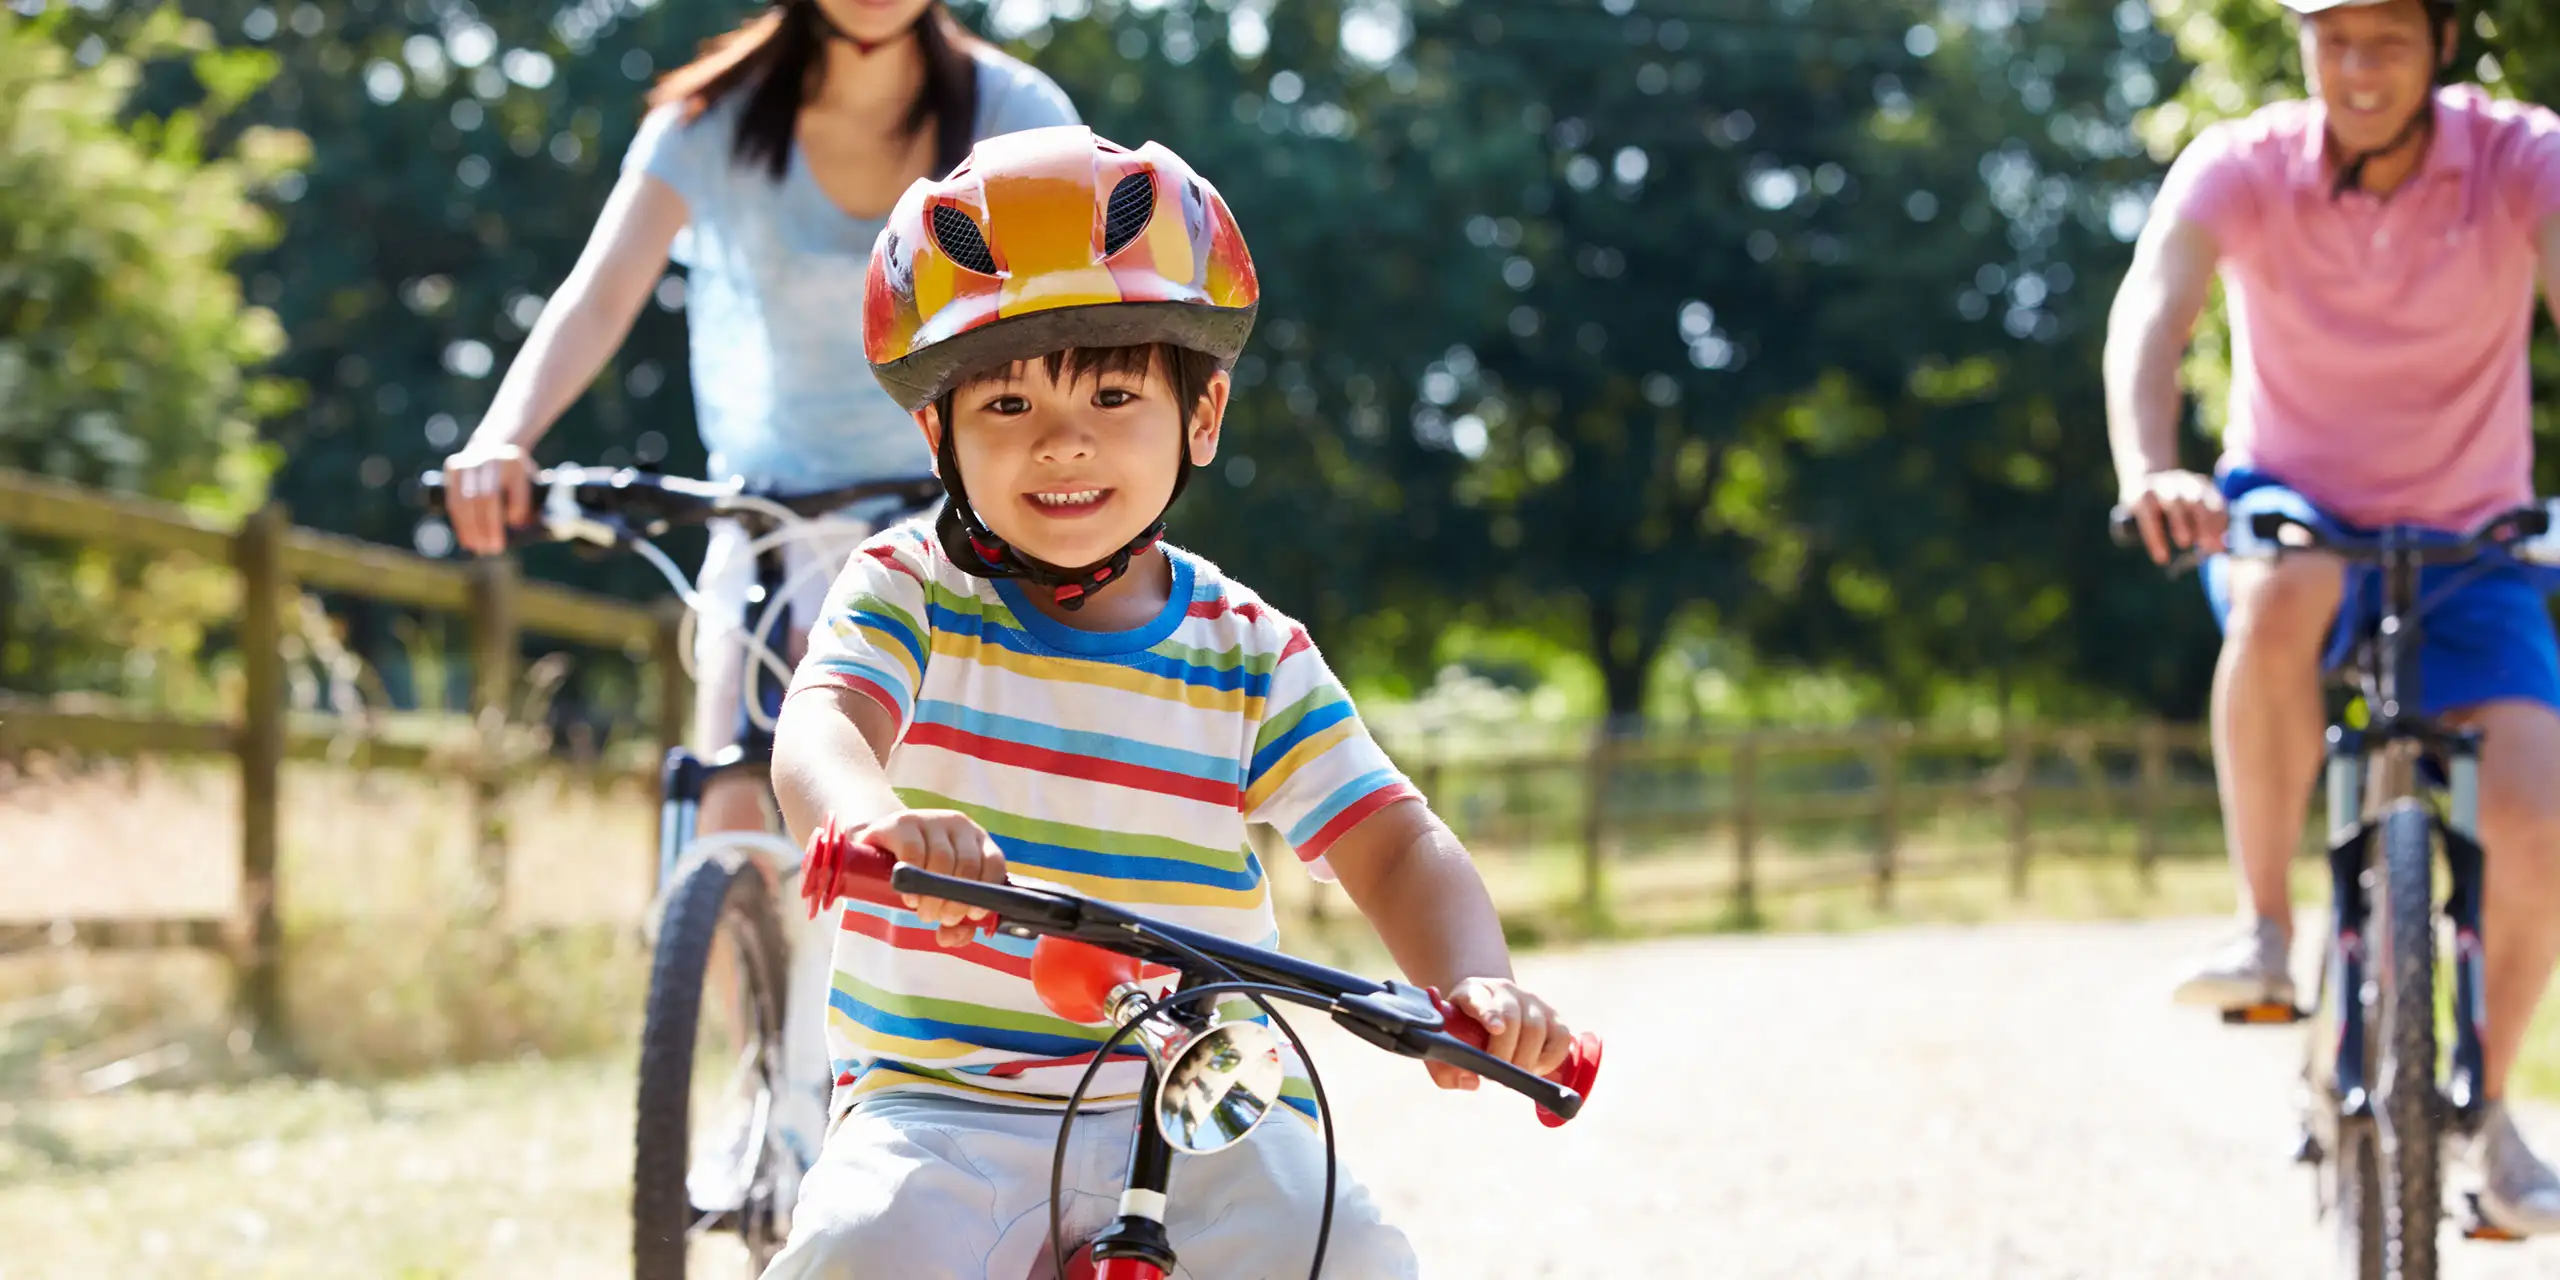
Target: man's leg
point(2520, 929)
point(2520, 834)
point(2267, 754)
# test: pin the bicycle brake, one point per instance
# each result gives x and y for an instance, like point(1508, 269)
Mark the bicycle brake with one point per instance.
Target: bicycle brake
point(1385, 1017)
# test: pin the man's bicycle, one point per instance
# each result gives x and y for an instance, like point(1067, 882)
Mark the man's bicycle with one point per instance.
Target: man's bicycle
point(1208, 1084)
point(723, 1021)
point(2379, 1104)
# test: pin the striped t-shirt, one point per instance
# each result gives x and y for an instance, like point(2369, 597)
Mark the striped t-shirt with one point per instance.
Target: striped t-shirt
point(1121, 765)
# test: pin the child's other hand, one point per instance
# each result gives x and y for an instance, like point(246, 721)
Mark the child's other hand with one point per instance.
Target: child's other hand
point(944, 843)
point(1519, 1029)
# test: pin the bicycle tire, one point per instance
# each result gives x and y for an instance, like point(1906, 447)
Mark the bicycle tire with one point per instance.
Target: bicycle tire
point(721, 889)
point(2406, 1103)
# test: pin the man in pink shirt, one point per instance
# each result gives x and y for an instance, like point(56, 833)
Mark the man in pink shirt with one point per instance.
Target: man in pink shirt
point(2379, 245)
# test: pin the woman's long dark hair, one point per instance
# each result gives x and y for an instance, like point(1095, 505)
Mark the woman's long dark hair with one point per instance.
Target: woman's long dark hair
point(778, 59)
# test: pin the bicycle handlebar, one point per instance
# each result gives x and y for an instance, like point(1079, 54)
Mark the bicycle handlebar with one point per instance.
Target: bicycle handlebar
point(1394, 1016)
point(611, 505)
point(2500, 532)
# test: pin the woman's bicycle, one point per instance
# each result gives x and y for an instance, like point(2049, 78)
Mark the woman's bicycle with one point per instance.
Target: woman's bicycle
point(1208, 1084)
point(713, 1170)
point(2379, 1106)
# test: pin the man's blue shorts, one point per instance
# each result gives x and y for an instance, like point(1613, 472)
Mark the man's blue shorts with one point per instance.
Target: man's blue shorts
point(2487, 629)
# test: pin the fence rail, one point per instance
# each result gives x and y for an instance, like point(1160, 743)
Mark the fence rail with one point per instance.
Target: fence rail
point(274, 562)
point(1759, 813)
point(1781, 811)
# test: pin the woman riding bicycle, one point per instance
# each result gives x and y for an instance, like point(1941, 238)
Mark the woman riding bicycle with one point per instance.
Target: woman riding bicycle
point(765, 167)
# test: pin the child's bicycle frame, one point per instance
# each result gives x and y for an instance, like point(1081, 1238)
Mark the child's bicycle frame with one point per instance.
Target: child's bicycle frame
point(697, 1174)
point(1207, 1084)
point(2376, 1113)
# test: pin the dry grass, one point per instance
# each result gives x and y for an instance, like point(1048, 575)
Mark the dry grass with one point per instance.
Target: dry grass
point(393, 961)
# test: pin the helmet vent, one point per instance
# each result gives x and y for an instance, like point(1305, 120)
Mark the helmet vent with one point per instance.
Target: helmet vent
point(961, 241)
point(1133, 201)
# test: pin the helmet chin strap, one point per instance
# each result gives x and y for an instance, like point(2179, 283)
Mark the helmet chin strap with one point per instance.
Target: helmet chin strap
point(2351, 174)
point(977, 551)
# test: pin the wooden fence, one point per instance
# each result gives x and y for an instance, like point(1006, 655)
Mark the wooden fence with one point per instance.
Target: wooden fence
point(275, 562)
point(1745, 815)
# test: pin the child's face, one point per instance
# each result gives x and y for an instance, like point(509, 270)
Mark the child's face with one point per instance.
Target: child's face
point(1069, 469)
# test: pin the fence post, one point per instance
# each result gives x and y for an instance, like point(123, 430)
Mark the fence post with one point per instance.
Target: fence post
point(257, 553)
point(1888, 767)
point(2021, 769)
point(1595, 808)
point(1746, 826)
point(494, 653)
point(2154, 772)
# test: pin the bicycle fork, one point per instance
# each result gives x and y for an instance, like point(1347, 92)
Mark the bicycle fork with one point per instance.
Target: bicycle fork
point(2352, 831)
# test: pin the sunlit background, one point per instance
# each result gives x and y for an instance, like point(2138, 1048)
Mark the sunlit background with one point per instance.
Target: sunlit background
point(1680, 419)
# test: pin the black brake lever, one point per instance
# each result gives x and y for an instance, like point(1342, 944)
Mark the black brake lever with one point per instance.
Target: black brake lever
point(1441, 1047)
point(1402, 1020)
point(2126, 531)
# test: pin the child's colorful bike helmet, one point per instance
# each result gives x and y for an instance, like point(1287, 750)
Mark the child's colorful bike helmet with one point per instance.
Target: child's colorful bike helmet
point(1041, 241)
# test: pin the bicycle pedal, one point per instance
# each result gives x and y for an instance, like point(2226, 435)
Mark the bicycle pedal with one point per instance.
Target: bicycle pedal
point(2264, 1014)
point(2476, 1225)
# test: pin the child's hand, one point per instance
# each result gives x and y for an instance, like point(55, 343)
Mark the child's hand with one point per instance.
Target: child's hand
point(1519, 1029)
point(944, 843)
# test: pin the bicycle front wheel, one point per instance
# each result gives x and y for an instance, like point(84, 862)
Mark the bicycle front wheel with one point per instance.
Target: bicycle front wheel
point(2407, 1103)
point(711, 1078)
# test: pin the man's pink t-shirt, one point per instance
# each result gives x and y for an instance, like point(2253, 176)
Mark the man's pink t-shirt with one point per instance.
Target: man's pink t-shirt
point(2378, 350)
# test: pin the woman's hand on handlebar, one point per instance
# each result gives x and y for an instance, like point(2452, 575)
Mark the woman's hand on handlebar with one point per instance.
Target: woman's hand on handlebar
point(1520, 1029)
point(940, 841)
point(488, 489)
point(2176, 511)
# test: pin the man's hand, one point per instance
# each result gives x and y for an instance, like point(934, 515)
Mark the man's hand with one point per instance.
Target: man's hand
point(944, 843)
point(2178, 511)
point(1519, 1028)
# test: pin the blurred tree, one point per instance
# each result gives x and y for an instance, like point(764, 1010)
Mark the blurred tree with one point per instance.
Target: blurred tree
point(1587, 316)
point(1800, 322)
point(123, 336)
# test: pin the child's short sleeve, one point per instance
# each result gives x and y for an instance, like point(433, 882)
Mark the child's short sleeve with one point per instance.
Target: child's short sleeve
point(1316, 772)
point(874, 636)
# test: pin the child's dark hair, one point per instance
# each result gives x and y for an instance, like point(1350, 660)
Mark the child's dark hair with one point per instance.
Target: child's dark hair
point(1186, 372)
point(778, 59)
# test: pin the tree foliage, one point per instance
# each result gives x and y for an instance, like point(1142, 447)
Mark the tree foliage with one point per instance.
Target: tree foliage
point(127, 356)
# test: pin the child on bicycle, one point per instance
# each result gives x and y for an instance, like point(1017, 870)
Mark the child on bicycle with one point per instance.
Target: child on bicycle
point(1040, 683)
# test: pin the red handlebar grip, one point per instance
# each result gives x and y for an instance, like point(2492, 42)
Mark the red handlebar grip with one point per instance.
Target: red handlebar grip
point(1581, 1064)
point(838, 867)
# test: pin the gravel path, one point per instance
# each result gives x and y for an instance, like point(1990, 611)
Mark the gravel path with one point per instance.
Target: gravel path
point(2004, 1102)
